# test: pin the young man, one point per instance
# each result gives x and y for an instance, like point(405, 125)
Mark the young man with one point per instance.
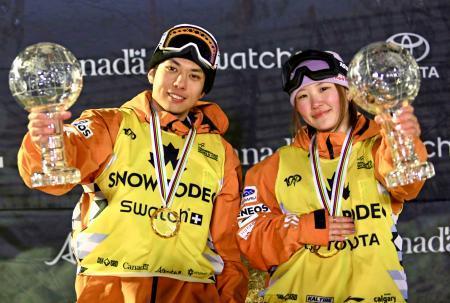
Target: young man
point(156, 222)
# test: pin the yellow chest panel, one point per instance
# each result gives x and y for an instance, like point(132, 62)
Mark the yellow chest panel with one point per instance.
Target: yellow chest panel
point(367, 264)
point(295, 188)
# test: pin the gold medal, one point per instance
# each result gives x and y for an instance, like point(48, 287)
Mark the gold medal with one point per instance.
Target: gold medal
point(165, 222)
point(323, 252)
point(331, 205)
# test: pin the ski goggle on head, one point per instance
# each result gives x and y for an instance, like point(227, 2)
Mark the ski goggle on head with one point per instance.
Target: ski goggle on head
point(310, 66)
point(193, 40)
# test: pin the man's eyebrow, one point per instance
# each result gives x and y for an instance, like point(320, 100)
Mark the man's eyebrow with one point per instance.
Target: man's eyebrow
point(179, 64)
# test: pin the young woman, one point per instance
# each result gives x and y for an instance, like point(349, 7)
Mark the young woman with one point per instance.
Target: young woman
point(316, 214)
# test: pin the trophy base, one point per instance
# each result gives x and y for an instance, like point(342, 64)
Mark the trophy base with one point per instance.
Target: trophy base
point(60, 176)
point(408, 175)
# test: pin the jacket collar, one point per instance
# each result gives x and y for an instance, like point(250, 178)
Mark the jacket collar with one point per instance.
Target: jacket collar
point(330, 143)
point(206, 117)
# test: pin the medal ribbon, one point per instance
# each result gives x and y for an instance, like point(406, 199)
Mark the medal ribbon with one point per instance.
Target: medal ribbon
point(333, 206)
point(167, 191)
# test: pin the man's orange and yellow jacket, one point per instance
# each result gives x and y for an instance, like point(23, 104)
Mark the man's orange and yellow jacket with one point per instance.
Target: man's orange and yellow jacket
point(120, 258)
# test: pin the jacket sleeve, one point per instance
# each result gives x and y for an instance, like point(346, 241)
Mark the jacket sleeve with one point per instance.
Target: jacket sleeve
point(268, 236)
point(232, 283)
point(88, 144)
point(383, 164)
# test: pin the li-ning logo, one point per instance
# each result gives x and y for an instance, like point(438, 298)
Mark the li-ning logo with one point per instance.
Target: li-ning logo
point(361, 164)
point(417, 45)
point(129, 132)
point(292, 180)
point(353, 299)
point(207, 153)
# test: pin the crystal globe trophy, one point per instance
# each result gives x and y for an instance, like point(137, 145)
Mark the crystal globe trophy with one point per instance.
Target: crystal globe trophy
point(382, 78)
point(47, 78)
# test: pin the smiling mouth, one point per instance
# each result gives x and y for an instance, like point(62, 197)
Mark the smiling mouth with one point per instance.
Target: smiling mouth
point(175, 97)
point(319, 114)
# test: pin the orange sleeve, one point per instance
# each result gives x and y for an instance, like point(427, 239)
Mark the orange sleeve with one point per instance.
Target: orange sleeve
point(232, 283)
point(383, 164)
point(87, 148)
point(267, 236)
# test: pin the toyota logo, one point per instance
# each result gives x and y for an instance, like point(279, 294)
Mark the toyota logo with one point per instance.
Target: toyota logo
point(417, 45)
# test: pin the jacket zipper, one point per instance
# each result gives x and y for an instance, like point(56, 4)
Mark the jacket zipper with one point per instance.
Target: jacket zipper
point(154, 289)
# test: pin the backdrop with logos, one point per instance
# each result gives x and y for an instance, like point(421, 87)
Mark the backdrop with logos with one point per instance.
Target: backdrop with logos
point(114, 39)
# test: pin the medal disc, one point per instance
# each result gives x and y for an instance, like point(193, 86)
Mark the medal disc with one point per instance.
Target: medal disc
point(325, 252)
point(165, 222)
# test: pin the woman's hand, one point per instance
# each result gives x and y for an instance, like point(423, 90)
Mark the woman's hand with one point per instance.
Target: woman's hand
point(405, 121)
point(340, 228)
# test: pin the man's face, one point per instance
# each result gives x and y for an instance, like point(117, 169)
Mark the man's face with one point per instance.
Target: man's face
point(177, 85)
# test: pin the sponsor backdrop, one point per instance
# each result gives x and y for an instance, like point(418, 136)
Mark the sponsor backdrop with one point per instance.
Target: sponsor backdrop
point(114, 39)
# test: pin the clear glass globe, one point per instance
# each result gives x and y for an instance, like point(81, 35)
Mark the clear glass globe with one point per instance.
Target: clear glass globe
point(45, 75)
point(381, 76)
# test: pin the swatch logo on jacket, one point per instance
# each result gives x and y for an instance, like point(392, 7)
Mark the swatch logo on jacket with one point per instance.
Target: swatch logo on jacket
point(142, 209)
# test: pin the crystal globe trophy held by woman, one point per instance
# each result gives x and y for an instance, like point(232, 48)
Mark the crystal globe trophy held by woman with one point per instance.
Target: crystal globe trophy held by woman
point(382, 78)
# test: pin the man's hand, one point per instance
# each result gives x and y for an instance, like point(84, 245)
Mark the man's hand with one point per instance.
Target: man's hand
point(41, 126)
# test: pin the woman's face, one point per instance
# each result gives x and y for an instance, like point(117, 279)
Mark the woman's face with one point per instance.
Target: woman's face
point(320, 107)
